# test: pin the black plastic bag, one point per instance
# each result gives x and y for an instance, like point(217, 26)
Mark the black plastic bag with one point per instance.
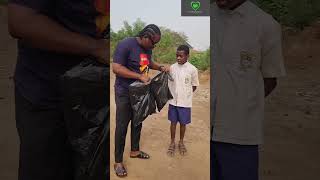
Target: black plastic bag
point(86, 111)
point(160, 89)
point(142, 101)
point(145, 98)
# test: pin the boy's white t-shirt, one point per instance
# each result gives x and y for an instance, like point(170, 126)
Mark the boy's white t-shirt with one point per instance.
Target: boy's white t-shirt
point(184, 77)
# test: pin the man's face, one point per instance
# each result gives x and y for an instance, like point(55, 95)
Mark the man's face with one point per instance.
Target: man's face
point(227, 4)
point(150, 42)
point(181, 57)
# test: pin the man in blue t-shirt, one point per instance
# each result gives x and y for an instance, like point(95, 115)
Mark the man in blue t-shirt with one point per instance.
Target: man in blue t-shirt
point(131, 62)
point(53, 36)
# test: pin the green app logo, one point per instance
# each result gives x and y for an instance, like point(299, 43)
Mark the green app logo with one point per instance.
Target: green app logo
point(195, 5)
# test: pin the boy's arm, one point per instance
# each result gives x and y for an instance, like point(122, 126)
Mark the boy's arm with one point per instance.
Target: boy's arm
point(156, 66)
point(194, 79)
point(269, 85)
point(272, 65)
point(194, 88)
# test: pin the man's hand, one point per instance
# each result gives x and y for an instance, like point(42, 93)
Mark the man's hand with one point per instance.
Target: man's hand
point(145, 79)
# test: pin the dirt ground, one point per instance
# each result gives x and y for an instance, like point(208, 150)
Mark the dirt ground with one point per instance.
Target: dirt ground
point(292, 123)
point(292, 139)
point(155, 139)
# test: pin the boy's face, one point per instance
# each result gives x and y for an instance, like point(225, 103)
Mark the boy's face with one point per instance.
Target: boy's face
point(181, 57)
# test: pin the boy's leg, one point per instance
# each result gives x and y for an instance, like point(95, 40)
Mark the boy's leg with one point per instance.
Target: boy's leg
point(185, 118)
point(173, 118)
point(236, 161)
point(182, 147)
point(173, 127)
point(182, 131)
point(172, 146)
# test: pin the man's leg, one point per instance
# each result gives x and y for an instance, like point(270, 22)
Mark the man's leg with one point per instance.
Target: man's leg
point(237, 161)
point(135, 137)
point(123, 116)
point(45, 152)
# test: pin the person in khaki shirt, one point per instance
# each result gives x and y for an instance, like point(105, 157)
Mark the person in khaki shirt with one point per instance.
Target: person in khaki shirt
point(184, 83)
point(246, 60)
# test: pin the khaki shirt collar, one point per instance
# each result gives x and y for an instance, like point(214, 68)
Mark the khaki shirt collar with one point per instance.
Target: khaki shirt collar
point(241, 10)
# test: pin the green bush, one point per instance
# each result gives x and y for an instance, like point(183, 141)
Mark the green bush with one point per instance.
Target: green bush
point(293, 13)
point(165, 51)
point(201, 60)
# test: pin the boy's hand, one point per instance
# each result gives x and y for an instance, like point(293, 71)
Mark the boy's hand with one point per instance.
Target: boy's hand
point(164, 68)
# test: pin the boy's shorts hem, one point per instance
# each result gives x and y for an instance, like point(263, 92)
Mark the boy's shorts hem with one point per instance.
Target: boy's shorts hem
point(179, 114)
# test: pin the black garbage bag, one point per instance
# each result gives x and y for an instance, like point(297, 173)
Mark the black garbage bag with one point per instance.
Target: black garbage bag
point(86, 111)
point(160, 89)
point(142, 101)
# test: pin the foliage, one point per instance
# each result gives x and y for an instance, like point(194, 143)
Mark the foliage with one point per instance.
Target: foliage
point(165, 51)
point(293, 13)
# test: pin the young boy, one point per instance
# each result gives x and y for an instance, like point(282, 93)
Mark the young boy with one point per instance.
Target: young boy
point(185, 82)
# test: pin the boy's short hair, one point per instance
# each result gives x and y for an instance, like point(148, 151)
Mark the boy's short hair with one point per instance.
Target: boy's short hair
point(184, 48)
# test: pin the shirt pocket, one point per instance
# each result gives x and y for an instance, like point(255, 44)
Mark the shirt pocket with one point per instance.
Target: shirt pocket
point(187, 86)
point(244, 59)
point(250, 56)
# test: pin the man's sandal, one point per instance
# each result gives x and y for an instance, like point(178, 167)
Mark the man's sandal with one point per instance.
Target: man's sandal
point(120, 170)
point(141, 155)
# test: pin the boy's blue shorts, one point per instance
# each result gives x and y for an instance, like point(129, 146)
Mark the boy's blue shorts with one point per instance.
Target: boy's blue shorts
point(179, 114)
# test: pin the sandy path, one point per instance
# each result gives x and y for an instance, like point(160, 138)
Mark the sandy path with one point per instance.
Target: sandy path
point(155, 139)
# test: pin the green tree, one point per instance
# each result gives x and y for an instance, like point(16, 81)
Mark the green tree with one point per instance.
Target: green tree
point(293, 13)
point(165, 51)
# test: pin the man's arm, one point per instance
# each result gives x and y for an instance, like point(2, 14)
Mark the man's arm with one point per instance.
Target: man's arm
point(122, 71)
point(42, 32)
point(269, 85)
point(156, 66)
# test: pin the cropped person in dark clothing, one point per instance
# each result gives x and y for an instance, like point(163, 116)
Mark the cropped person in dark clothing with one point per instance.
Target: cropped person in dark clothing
point(53, 36)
